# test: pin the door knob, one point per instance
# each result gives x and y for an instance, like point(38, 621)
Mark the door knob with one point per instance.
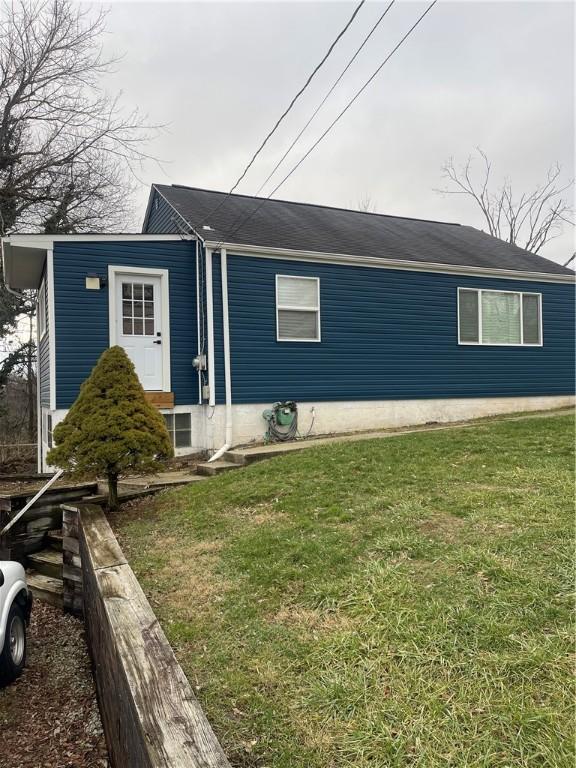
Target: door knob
point(157, 342)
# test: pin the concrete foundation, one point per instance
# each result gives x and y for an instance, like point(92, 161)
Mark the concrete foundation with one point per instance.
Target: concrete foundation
point(327, 418)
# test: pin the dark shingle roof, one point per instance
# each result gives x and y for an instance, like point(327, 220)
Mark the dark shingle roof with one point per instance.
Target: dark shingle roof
point(318, 228)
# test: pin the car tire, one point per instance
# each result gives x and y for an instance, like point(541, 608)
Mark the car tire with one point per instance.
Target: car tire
point(13, 655)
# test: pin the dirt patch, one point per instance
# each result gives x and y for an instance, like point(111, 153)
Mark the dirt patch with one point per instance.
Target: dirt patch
point(444, 527)
point(49, 717)
point(317, 621)
point(195, 584)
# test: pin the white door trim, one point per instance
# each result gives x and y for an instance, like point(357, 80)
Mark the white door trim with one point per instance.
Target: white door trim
point(113, 271)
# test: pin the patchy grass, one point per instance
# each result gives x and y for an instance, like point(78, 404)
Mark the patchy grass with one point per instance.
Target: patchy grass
point(394, 602)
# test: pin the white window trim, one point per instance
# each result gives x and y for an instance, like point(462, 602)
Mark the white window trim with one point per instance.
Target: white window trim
point(298, 309)
point(113, 272)
point(480, 342)
point(42, 310)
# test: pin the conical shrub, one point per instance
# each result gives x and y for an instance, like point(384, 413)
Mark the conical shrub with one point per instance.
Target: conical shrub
point(111, 429)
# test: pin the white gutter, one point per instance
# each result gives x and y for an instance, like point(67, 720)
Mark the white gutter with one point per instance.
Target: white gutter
point(227, 367)
point(385, 263)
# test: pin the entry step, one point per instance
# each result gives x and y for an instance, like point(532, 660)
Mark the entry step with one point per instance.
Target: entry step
point(216, 467)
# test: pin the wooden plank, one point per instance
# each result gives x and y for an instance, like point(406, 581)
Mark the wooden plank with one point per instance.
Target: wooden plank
point(101, 545)
point(150, 715)
point(160, 399)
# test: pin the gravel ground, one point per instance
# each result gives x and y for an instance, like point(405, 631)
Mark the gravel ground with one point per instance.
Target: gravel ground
point(49, 717)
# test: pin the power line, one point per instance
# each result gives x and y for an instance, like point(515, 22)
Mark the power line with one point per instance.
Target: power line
point(333, 123)
point(326, 97)
point(287, 110)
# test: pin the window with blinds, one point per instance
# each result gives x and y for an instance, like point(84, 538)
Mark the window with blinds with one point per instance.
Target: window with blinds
point(297, 308)
point(507, 318)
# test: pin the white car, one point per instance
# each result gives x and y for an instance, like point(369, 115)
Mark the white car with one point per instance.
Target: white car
point(15, 608)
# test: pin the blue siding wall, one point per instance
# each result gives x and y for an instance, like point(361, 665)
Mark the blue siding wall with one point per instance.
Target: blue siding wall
point(44, 355)
point(162, 218)
point(386, 334)
point(82, 315)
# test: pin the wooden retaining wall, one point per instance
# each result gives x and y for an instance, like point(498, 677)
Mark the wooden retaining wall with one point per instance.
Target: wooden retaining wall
point(150, 715)
point(29, 533)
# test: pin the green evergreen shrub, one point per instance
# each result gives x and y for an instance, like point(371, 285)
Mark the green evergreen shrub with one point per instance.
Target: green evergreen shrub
point(111, 429)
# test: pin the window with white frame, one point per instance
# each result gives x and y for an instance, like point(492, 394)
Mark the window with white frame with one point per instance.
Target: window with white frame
point(41, 309)
point(179, 427)
point(507, 318)
point(297, 308)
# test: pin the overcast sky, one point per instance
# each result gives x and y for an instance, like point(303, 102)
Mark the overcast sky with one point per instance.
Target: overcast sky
point(499, 75)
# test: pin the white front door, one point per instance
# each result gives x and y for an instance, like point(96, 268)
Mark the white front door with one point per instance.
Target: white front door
point(139, 325)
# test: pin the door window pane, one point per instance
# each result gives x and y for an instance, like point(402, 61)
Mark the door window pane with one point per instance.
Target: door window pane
point(136, 308)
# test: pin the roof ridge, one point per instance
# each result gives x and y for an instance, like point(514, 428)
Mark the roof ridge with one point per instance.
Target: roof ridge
point(309, 205)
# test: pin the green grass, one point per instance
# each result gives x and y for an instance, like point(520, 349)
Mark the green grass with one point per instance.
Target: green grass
point(395, 602)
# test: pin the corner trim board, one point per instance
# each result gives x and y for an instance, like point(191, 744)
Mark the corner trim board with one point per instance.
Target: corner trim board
point(210, 328)
point(51, 327)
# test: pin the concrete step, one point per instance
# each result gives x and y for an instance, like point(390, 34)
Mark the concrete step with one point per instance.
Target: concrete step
point(235, 457)
point(251, 455)
point(48, 562)
point(54, 540)
point(46, 589)
point(211, 468)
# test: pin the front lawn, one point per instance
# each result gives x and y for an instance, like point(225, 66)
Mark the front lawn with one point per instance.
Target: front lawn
point(395, 602)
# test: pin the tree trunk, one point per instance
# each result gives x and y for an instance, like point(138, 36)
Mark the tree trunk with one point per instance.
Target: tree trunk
point(113, 503)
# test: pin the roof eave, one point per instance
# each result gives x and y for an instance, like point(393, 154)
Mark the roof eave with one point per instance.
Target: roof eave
point(388, 263)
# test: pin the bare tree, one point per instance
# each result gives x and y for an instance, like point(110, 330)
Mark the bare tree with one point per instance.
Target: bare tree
point(529, 220)
point(366, 204)
point(69, 153)
point(66, 147)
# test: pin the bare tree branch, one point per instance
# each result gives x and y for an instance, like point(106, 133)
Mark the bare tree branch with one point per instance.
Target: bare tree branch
point(530, 220)
point(69, 153)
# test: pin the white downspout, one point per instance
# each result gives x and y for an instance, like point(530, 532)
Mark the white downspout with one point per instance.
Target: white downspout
point(210, 328)
point(227, 367)
point(198, 320)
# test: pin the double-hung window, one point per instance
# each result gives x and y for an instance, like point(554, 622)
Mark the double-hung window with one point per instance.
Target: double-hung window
point(297, 308)
point(499, 318)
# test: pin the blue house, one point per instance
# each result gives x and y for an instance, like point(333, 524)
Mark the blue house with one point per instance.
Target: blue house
point(228, 303)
